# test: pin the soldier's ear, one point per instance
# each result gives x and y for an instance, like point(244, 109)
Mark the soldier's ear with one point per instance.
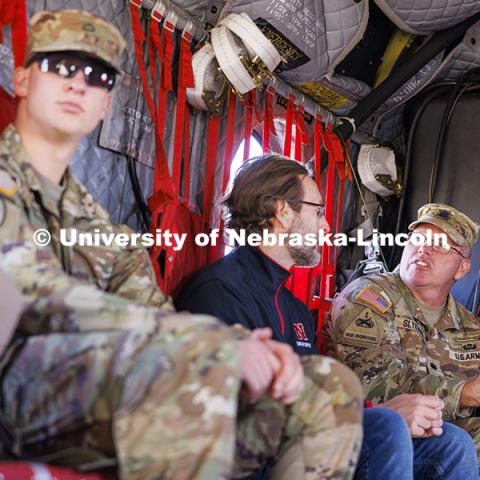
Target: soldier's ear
point(463, 269)
point(21, 78)
point(106, 106)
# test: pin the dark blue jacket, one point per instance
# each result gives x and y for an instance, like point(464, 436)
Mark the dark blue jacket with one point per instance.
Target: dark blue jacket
point(247, 287)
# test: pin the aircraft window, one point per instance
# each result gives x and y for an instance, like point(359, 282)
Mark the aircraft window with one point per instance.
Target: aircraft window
point(255, 150)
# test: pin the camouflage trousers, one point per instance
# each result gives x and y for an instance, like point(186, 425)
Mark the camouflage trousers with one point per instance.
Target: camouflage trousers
point(163, 404)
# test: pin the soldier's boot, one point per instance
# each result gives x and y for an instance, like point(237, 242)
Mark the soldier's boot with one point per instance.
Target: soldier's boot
point(318, 437)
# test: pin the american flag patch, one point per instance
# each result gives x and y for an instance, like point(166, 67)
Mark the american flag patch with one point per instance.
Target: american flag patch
point(374, 299)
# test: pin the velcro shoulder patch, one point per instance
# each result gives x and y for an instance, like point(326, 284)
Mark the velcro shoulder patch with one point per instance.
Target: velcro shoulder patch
point(377, 300)
point(365, 329)
point(8, 187)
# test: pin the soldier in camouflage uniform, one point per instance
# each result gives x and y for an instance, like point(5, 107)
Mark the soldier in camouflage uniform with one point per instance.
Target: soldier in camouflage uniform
point(403, 332)
point(101, 371)
point(11, 307)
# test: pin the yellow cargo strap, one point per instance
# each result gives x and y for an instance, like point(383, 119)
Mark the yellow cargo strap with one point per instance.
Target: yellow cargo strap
point(397, 44)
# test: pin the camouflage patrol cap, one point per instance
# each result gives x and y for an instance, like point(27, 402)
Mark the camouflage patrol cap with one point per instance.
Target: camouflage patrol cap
point(75, 30)
point(451, 221)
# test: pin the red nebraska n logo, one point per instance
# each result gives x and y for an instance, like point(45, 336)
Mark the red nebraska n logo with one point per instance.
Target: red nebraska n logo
point(300, 332)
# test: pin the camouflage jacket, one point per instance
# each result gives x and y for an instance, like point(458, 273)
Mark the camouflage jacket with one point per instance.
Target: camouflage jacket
point(68, 288)
point(377, 329)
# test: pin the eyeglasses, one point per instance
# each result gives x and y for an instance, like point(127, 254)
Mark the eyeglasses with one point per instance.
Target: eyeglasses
point(67, 64)
point(443, 247)
point(320, 206)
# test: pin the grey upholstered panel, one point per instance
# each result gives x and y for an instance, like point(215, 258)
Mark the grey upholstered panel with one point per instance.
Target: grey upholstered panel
point(427, 16)
point(321, 33)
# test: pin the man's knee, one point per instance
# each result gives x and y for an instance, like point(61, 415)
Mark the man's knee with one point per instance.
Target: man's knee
point(325, 423)
point(390, 420)
point(387, 428)
point(332, 397)
point(455, 439)
point(336, 379)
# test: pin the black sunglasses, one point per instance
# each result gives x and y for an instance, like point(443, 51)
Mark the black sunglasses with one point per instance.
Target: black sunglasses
point(67, 64)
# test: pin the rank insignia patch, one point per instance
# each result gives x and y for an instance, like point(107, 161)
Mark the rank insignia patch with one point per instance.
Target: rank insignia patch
point(374, 299)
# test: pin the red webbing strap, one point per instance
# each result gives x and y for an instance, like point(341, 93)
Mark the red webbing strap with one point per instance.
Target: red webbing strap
point(218, 251)
point(6, 15)
point(186, 158)
point(338, 220)
point(155, 21)
point(287, 145)
point(340, 153)
point(185, 80)
point(327, 275)
point(166, 83)
point(162, 179)
point(346, 153)
point(155, 48)
point(162, 193)
point(228, 156)
point(14, 13)
point(301, 134)
point(210, 166)
point(250, 105)
point(19, 31)
point(139, 37)
point(268, 123)
point(152, 65)
point(317, 147)
point(164, 188)
point(298, 140)
point(161, 171)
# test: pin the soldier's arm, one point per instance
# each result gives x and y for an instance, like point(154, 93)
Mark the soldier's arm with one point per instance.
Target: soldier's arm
point(11, 307)
point(53, 300)
point(133, 276)
point(470, 395)
point(365, 337)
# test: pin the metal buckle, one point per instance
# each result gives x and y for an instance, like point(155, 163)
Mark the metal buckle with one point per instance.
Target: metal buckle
point(394, 185)
point(231, 86)
point(170, 22)
point(187, 32)
point(158, 11)
point(214, 103)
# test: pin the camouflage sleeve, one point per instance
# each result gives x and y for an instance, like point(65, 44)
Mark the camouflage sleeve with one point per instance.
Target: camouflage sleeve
point(361, 331)
point(53, 301)
point(11, 307)
point(133, 277)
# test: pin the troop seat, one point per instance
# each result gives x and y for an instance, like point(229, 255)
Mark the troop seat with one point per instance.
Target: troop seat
point(38, 471)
